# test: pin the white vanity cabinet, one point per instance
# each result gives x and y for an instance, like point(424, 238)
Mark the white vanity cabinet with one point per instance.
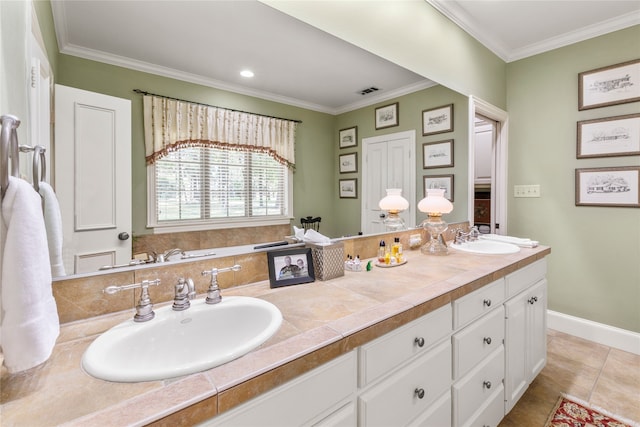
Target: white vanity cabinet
point(526, 329)
point(323, 397)
point(478, 357)
point(464, 364)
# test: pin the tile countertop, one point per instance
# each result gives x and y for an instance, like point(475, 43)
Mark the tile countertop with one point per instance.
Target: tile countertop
point(322, 320)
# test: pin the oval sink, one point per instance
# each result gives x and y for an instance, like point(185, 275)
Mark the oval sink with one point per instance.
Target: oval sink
point(486, 247)
point(177, 343)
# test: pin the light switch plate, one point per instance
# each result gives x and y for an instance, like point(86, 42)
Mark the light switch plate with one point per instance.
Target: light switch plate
point(526, 190)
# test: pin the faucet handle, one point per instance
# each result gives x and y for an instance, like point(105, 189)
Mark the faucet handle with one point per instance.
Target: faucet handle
point(144, 308)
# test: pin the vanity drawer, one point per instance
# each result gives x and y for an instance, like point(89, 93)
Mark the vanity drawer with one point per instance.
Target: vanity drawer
point(476, 341)
point(478, 387)
point(525, 277)
point(477, 303)
point(391, 350)
point(394, 401)
point(439, 414)
point(491, 413)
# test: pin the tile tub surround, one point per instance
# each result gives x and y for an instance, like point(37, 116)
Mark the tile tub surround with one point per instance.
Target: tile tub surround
point(322, 320)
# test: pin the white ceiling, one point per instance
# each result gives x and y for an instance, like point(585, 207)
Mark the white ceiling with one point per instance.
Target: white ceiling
point(209, 42)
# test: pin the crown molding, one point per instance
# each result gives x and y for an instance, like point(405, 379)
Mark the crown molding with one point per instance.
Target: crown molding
point(460, 17)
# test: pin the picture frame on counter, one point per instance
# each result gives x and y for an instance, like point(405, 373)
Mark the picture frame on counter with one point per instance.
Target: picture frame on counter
point(608, 186)
point(348, 163)
point(290, 267)
point(348, 188)
point(608, 137)
point(348, 137)
point(437, 120)
point(387, 116)
point(611, 85)
point(439, 181)
point(437, 154)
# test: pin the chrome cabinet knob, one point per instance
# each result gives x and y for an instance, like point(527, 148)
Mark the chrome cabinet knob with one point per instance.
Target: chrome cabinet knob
point(487, 302)
point(487, 384)
point(419, 392)
point(487, 340)
point(419, 342)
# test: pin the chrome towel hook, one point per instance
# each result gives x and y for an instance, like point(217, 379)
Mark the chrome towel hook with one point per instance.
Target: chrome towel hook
point(8, 149)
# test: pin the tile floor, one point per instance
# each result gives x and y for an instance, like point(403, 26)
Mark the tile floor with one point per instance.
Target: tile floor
point(603, 376)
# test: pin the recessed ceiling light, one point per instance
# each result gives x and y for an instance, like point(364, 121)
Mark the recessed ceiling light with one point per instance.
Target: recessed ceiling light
point(246, 73)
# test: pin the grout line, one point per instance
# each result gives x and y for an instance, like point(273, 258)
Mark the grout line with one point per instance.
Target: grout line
point(595, 383)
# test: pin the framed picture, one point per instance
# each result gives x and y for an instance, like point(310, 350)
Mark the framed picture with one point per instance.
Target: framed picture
point(290, 267)
point(349, 163)
point(348, 137)
point(616, 186)
point(612, 136)
point(387, 116)
point(437, 154)
point(615, 84)
point(440, 181)
point(437, 120)
point(348, 188)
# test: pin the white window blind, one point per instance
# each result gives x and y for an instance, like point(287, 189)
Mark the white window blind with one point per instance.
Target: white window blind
point(205, 184)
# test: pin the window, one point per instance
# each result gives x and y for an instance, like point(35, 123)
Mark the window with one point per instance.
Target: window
point(208, 186)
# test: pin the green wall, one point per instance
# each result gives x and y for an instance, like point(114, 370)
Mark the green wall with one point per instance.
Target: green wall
point(410, 109)
point(594, 268)
point(313, 179)
point(413, 34)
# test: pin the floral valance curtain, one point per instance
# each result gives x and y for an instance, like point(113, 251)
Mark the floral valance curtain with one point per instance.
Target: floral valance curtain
point(171, 124)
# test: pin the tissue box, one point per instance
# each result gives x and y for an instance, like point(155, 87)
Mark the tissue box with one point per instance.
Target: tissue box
point(328, 260)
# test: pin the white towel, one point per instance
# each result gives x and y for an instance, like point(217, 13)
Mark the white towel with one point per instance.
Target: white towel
point(29, 325)
point(525, 243)
point(53, 224)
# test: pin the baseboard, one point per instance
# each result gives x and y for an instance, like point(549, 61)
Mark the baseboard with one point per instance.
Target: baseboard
point(593, 331)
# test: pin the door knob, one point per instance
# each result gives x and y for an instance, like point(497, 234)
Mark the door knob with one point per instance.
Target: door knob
point(383, 215)
point(123, 236)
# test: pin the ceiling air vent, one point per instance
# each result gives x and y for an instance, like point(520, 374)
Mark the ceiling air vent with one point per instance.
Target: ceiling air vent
point(368, 90)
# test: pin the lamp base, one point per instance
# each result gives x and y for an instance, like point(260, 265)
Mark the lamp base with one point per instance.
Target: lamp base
point(435, 226)
point(434, 247)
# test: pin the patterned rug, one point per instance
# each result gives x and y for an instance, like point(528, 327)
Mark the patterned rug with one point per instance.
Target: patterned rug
point(572, 412)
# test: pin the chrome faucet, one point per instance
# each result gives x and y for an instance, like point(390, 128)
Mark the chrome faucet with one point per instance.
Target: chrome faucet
point(185, 291)
point(471, 236)
point(165, 256)
point(213, 293)
point(144, 308)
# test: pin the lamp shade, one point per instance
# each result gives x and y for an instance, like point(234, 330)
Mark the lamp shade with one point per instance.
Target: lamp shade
point(393, 201)
point(435, 202)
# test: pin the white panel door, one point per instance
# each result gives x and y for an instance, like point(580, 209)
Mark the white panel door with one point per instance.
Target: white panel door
point(93, 177)
point(388, 162)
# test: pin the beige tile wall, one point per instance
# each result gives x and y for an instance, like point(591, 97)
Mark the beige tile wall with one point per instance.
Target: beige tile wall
point(82, 298)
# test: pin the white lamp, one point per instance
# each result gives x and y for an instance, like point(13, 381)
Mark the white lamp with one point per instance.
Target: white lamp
point(394, 203)
point(435, 205)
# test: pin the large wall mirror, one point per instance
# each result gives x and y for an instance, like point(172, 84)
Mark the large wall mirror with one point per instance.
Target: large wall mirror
point(317, 177)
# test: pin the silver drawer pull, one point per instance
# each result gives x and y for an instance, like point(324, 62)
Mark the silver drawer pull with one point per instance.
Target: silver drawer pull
point(419, 342)
point(487, 384)
point(487, 340)
point(487, 302)
point(419, 392)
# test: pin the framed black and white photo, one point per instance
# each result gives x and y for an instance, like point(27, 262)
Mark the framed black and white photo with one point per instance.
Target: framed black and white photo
point(348, 137)
point(348, 188)
point(615, 186)
point(437, 120)
point(437, 154)
point(612, 85)
point(444, 182)
point(612, 136)
point(349, 163)
point(290, 267)
point(387, 116)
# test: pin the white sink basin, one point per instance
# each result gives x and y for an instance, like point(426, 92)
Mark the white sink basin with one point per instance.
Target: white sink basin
point(177, 343)
point(486, 247)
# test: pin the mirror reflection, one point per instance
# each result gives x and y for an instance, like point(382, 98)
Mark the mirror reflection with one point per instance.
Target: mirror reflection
point(314, 184)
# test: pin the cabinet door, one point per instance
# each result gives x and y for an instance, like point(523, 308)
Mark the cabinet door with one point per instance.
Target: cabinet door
point(516, 373)
point(536, 329)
